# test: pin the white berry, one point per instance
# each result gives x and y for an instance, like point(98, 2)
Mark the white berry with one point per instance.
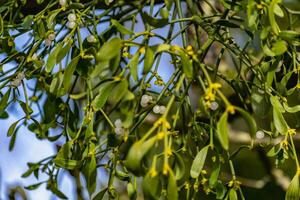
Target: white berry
point(51, 36)
point(162, 109)
point(48, 42)
point(62, 2)
point(21, 76)
point(72, 17)
point(260, 134)
point(71, 25)
point(91, 39)
point(156, 109)
point(119, 131)
point(118, 123)
point(214, 105)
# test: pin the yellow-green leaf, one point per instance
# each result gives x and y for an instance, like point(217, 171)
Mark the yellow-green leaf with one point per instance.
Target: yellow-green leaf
point(198, 162)
point(222, 131)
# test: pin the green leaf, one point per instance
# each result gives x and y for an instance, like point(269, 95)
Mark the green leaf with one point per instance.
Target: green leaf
point(32, 168)
point(119, 91)
point(133, 65)
point(90, 174)
point(100, 195)
point(293, 191)
point(136, 153)
point(187, 64)
point(4, 101)
point(179, 166)
point(131, 190)
point(33, 186)
point(279, 121)
point(292, 109)
point(260, 104)
point(64, 51)
point(52, 57)
point(51, 17)
point(151, 187)
point(279, 47)
point(157, 23)
point(101, 98)
point(222, 131)
point(12, 128)
point(69, 71)
point(198, 162)
point(213, 179)
point(149, 59)
point(249, 120)
point(232, 194)
point(278, 11)
point(25, 107)
point(271, 15)
point(67, 163)
point(172, 190)
point(109, 50)
point(121, 28)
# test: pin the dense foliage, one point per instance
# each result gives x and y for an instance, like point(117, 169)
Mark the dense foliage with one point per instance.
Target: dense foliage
point(92, 77)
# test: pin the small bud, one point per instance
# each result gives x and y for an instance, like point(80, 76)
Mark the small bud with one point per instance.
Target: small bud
point(156, 109)
point(260, 134)
point(91, 39)
point(72, 17)
point(71, 25)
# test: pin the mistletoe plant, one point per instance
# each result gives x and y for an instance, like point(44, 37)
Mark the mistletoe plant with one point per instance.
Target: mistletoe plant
point(89, 79)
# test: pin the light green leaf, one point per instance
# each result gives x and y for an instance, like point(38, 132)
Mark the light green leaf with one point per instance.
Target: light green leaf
point(121, 28)
point(172, 190)
point(222, 131)
point(292, 109)
point(133, 65)
point(293, 191)
point(198, 162)
point(4, 101)
point(109, 50)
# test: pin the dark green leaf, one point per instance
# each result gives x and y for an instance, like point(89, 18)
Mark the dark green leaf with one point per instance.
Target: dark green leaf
point(100, 195)
point(136, 153)
point(69, 71)
point(101, 98)
point(149, 59)
point(157, 23)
